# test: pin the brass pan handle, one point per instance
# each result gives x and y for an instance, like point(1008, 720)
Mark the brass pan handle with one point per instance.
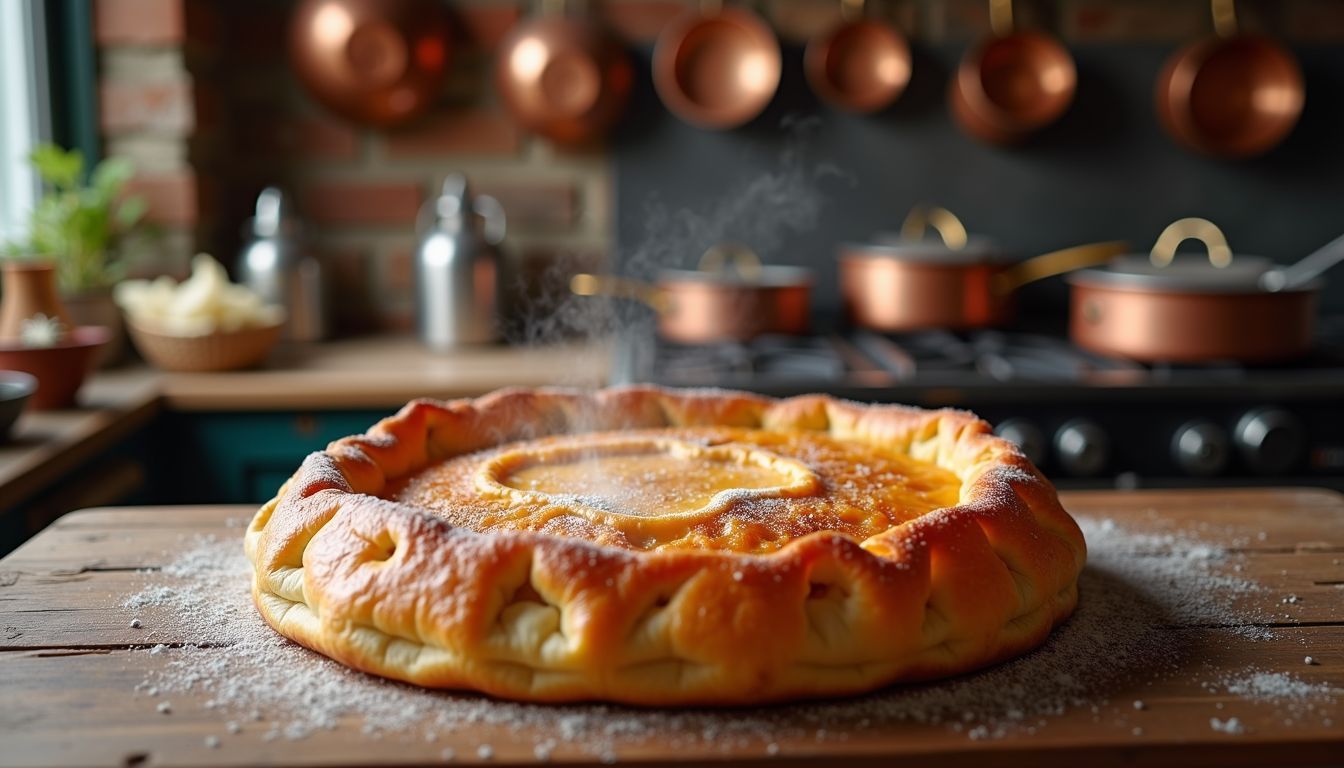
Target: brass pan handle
point(943, 221)
point(1056, 263)
point(1203, 230)
point(586, 284)
point(735, 256)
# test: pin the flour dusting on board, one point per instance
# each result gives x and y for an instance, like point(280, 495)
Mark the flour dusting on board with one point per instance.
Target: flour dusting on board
point(1136, 590)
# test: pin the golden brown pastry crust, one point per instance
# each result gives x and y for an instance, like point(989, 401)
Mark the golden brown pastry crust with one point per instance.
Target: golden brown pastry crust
point(397, 591)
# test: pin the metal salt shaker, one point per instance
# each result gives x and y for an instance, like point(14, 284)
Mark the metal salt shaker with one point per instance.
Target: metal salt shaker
point(457, 267)
point(277, 266)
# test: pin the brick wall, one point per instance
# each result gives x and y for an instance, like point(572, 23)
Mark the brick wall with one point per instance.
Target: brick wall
point(199, 93)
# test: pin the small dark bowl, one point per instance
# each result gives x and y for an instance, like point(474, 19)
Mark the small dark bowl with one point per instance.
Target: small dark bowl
point(15, 389)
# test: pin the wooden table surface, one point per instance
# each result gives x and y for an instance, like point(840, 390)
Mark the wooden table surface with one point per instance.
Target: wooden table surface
point(70, 663)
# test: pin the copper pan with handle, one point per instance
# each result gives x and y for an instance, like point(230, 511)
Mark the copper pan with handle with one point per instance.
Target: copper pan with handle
point(1162, 307)
point(717, 66)
point(958, 282)
point(1231, 95)
point(732, 296)
point(1013, 83)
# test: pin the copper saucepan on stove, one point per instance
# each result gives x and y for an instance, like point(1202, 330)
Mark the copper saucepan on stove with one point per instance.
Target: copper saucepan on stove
point(1165, 308)
point(1012, 84)
point(731, 297)
point(1231, 95)
point(909, 282)
point(717, 66)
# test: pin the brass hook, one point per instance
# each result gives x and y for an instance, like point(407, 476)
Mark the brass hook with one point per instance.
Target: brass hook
point(1224, 17)
point(1001, 17)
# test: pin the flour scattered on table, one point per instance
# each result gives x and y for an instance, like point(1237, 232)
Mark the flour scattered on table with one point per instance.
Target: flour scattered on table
point(1136, 588)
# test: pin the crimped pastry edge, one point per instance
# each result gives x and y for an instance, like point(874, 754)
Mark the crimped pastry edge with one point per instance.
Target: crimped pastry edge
point(396, 591)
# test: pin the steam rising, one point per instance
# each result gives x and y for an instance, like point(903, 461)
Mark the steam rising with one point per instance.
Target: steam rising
point(763, 213)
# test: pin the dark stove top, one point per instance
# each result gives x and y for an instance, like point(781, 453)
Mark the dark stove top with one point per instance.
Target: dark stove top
point(1087, 419)
point(1005, 360)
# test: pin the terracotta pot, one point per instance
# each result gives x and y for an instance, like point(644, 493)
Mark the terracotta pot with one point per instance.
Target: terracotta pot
point(60, 370)
point(97, 308)
point(29, 290)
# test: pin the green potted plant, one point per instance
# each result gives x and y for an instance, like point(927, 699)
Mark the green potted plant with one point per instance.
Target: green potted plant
point(80, 225)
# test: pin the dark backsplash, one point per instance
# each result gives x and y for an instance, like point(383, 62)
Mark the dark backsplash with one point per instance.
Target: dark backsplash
point(1106, 171)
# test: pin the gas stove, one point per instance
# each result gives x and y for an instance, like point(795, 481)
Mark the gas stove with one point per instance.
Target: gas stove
point(1086, 419)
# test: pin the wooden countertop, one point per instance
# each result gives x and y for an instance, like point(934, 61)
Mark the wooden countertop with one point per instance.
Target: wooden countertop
point(372, 372)
point(381, 372)
point(70, 663)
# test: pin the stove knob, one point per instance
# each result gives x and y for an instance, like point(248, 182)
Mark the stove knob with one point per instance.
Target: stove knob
point(1082, 447)
point(1026, 436)
point(1200, 448)
point(1270, 440)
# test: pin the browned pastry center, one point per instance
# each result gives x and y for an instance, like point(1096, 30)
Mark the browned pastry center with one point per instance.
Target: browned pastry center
point(745, 490)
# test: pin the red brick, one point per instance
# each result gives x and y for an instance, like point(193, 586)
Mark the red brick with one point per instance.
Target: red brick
point(395, 265)
point(172, 198)
point(484, 26)
point(1134, 20)
point(204, 26)
point(969, 19)
point(304, 135)
point(261, 33)
point(353, 305)
point(801, 21)
point(138, 22)
point(456, 132)
point(640, 21)
point(535, 205)
point(362, 202)
point(1316, 21)
point(160, 106)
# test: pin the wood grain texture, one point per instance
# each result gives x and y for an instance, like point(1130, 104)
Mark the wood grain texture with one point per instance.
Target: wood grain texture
point(68, 670)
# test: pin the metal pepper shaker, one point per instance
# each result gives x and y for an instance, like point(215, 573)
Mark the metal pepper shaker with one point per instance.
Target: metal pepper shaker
point(457, 267)
point(276, 263)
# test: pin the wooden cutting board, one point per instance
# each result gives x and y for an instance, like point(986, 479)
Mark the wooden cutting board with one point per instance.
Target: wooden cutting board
point(70, 664)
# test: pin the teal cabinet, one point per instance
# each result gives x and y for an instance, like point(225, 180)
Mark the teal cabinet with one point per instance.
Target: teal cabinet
point(244, 457)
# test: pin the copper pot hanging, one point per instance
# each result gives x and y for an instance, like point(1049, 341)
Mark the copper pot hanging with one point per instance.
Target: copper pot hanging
point(1012, 84)
point(380, 62)
point(732, 296)
point(1231, 95)
point(717, 66)
point(861, 65)
point(565, 78)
